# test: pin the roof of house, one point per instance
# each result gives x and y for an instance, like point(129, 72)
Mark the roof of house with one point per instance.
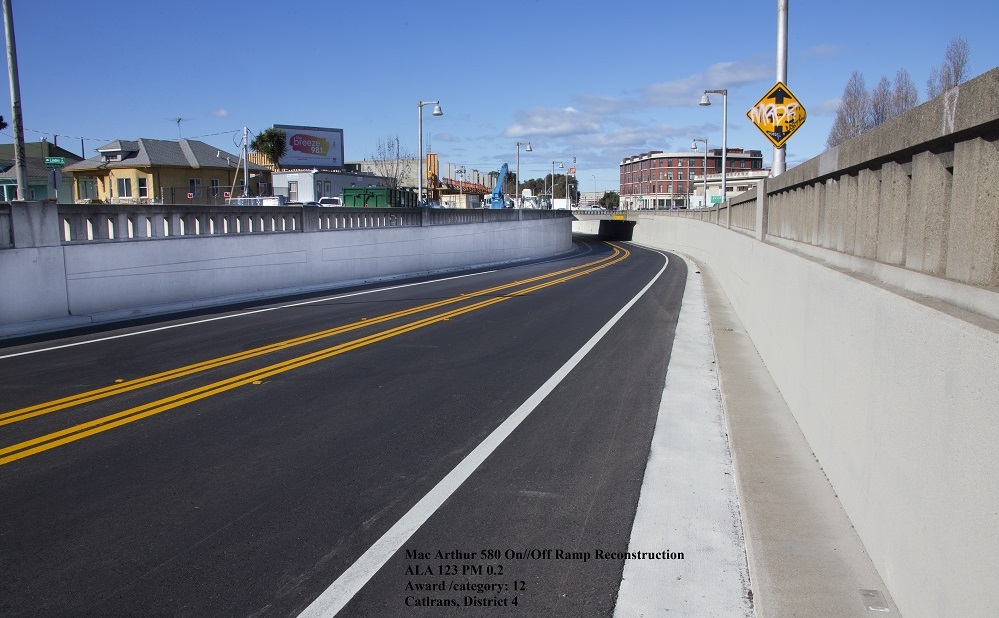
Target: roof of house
point(144, 152)
point(34, 167)
point(39, 150)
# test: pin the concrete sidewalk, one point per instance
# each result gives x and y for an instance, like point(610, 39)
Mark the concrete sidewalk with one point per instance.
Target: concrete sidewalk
point(780, 514)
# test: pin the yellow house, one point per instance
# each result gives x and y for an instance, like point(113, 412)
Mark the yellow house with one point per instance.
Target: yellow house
point(152, 171)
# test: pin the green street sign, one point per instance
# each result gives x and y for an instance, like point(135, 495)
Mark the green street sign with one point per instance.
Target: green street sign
point(55, 161)
point(716, 199)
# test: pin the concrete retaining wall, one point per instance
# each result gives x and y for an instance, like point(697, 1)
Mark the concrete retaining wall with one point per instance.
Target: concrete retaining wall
point(869, 287)
point(80, 283)
point(896, 398)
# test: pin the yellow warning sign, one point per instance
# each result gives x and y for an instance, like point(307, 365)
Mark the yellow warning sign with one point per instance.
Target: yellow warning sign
point(778, 114)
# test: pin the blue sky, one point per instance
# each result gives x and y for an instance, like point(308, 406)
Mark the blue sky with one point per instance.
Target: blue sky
point(594, 80)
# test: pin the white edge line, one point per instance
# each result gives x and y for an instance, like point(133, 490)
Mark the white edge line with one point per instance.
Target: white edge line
point(334, 598)
point(239, 315)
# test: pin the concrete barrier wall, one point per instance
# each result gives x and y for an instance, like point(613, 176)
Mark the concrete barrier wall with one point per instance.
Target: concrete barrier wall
point(896, 398)
point(869, 286)
point(110, 280)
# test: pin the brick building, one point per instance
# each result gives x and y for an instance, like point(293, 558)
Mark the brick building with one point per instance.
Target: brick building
point(659, 179)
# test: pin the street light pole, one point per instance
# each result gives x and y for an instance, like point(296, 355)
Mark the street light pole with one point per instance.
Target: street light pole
point(461, 199)
point(419, 155)
point(693, 146)
point(780, 158)
point(560, 166)
point(706, 101)
point(517, 189)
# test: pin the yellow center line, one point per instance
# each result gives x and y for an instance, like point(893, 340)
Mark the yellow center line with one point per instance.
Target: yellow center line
point(39, 409)
point(130, 415)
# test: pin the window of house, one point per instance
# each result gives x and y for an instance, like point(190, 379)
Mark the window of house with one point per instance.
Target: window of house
point(679, 176)
point(293, 191)
point(216, 186)
point(669, 175)
point(669, 188)
point(88, 189)
point(124, 187)
point(194, 186)
point(143, 188)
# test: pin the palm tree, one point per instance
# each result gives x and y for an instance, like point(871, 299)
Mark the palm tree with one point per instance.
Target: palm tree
point(271, 143)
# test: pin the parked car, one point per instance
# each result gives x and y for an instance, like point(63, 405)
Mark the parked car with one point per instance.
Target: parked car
point(331, 202)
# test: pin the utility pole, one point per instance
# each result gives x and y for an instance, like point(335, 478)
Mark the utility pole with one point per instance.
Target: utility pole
point(246, 164)
point(779, 163)
point(15, 104)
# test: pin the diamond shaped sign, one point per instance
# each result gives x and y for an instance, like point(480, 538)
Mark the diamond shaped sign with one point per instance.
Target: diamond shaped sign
point(778, 114)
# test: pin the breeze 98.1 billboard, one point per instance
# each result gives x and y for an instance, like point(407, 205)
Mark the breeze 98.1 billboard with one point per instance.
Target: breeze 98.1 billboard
point(311, 146)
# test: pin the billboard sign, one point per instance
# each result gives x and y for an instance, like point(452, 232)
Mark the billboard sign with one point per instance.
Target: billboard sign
point(311, 146)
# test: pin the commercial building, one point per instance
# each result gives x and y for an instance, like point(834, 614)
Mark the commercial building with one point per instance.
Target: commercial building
point(663, 180)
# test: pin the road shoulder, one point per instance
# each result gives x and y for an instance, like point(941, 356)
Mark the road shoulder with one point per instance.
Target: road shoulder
point(688, 503)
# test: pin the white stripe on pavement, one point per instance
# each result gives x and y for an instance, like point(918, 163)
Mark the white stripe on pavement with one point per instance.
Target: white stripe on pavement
point(334, 598)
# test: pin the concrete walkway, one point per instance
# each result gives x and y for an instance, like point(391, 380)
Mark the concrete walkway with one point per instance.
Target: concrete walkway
point(804, 557)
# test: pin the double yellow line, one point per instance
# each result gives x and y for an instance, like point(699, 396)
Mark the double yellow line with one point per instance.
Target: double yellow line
point(105, 423)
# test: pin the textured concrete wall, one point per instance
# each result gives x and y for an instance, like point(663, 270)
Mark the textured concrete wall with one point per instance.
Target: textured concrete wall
point(919, 191)
point(897, 399)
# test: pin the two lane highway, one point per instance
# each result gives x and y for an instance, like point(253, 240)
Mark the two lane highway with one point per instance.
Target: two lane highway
point(304, 454)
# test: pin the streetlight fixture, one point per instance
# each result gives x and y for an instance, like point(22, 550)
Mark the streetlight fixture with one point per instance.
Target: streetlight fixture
point(705, 101)
point(693, 146)
point(461, 199)
point(528, 149)
point(437, 112)
point(560, 166)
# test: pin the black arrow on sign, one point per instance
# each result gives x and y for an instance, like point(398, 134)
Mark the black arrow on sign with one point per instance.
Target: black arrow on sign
point(780, 94)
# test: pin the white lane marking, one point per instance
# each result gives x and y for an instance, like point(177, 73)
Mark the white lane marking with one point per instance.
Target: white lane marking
point(334, 598)
point(239, 315)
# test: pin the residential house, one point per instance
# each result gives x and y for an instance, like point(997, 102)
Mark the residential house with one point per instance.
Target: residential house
point(163, 171)
point(39, 177)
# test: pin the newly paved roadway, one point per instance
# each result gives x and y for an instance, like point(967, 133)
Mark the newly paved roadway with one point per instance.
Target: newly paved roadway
point(239, 463)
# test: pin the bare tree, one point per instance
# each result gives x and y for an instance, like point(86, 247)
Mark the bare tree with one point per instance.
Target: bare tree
point(904, 96)
point(853, 114)
point(389, 162)
point(888, 101)
point(952, 71)
point(881, 104)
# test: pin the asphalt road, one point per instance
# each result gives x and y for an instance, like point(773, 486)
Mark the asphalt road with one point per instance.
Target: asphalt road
point(252, 461)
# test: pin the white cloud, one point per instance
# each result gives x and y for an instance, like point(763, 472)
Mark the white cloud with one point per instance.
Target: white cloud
point(823, 50)
point(552, 123)
point(828, 107)
point(688, 90)
point(221, 113)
